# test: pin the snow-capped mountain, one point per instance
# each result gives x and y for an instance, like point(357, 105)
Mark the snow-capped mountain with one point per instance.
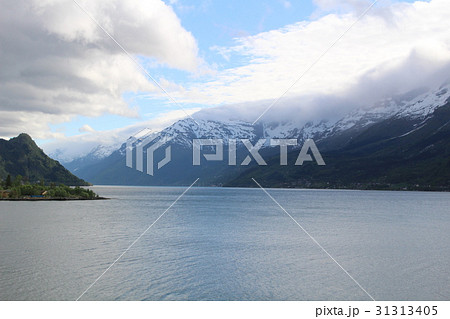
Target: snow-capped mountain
point(93, 150)
point(410, 106)
point(183, 131)
point(414, 105)
point(96, 154)
point(398, 144)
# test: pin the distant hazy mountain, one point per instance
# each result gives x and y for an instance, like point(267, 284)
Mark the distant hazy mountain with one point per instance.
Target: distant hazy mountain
point(388, 134)
point(21, 156)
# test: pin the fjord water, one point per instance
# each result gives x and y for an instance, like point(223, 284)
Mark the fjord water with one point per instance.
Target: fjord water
point(228, 244)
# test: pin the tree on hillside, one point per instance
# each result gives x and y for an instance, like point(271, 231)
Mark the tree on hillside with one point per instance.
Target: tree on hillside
point(8, 181)
point(17, 181)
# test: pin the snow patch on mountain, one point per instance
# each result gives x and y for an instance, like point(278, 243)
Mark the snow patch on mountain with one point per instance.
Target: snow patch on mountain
point(184, 131)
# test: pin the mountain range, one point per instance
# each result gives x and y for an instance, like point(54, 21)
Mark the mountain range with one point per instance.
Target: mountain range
point(402, 142)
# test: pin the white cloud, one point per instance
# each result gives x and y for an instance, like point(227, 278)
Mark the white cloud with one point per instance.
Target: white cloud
point(86, 128)
point(56, 63)
point(391, 40)
point(14, 123)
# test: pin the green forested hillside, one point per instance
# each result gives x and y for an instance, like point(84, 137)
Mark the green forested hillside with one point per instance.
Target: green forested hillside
point(21, 156)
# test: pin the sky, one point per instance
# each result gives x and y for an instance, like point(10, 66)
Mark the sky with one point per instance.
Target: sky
point(63, 79)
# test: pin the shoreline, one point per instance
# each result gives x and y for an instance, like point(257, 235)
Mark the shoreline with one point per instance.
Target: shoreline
point(49, 199)
point(431, 190)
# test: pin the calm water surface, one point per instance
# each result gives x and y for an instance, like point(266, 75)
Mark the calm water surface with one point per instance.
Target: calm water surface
point(228, 244)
